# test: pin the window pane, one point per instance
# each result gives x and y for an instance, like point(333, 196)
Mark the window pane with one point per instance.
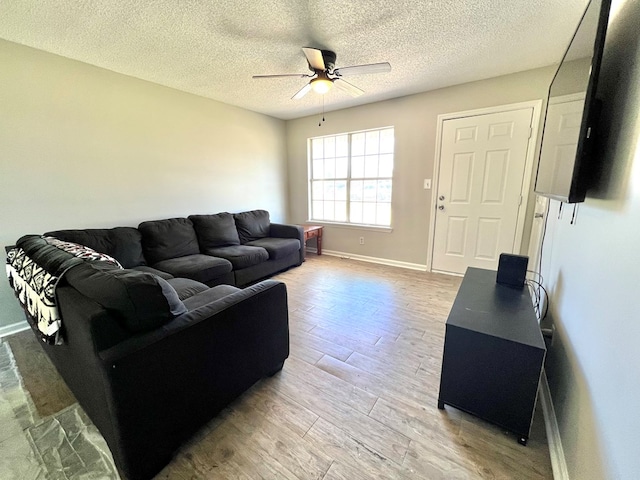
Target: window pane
point(357, 167)
point(357, 144)
point(383, 214)
point(317, 190)
point(372, 142)
point(318, 169)
point(328, 210)
point(328, 190)
point(355, 212)
point(341, 190)
point(369, 191)
point(329, 168)
point(384, 191)
point(342, 145)
point(386, 141)
point(369, 213)
point(356, 190)
point(385, 167)
point(316, 148)
point(329, 147)
point(341, 211)
point(317, 210)
point(371, 166)
point(342, 164)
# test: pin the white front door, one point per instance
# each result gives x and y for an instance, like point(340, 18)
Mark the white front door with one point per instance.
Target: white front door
point(482, 165)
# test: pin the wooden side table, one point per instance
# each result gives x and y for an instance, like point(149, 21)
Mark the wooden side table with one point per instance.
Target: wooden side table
point(314, 231)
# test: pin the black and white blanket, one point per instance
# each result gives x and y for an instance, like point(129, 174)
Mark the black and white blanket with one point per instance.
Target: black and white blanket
point(34, 267)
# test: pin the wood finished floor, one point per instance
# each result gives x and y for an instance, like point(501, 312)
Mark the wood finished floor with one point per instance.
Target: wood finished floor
point(357, 397)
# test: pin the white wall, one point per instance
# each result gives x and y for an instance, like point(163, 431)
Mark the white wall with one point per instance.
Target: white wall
point(415, 121)
point(85, 147)
point(591, 269)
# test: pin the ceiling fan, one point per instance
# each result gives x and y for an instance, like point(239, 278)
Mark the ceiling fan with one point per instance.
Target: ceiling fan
point(325, 75)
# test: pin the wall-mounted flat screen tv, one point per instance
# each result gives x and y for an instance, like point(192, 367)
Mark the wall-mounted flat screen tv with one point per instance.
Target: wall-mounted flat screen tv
point(566, 165)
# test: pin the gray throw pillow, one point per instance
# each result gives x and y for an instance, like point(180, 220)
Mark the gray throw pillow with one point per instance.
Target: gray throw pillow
point(142, 301)
point(252, 225)
point(170, 238)
point(217, 230)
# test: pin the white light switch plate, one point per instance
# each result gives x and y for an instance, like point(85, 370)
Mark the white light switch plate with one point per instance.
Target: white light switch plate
point(427, 183)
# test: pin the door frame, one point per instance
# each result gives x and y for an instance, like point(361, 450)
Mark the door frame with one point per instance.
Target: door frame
point(532, 149)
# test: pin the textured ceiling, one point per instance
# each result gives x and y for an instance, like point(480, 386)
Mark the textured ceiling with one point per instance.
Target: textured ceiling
point(212, 48)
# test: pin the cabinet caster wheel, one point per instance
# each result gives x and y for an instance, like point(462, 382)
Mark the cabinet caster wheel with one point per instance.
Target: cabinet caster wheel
point(440, 405)
point(522, 441)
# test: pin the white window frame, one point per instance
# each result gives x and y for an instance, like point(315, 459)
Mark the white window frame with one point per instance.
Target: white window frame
point(348, 179)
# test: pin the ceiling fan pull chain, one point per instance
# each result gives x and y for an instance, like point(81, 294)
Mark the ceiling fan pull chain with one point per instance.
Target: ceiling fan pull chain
point(320, 122)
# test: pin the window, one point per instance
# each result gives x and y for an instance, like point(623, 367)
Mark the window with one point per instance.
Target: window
point(350, 177)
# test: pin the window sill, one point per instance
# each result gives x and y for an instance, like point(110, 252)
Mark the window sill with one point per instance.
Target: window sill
point(375, 228)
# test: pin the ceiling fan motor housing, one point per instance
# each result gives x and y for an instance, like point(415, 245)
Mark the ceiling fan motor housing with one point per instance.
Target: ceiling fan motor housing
point(329, 58)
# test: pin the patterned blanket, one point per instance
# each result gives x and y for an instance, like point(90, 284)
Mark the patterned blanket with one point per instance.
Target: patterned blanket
point(34, 268)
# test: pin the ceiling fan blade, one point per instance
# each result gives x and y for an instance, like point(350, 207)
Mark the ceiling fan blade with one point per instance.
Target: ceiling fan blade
point(314, 57)
point(299, 75)
point(347, 87)
point(302, 92)
point(363, 69)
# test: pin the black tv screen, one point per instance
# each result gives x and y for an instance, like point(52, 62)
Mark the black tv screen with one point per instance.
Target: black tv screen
point(565, 167)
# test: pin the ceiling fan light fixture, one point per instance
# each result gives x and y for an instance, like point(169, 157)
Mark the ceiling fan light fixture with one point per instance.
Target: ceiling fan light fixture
point(321, 85)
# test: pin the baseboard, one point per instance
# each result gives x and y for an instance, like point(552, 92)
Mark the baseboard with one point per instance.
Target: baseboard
point(558, 462)
point(13, 328)
point(381, 261)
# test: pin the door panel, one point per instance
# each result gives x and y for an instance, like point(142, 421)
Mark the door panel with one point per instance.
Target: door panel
point(461, 178)
point(495, 172)
point(482, 164)
point(456, 236)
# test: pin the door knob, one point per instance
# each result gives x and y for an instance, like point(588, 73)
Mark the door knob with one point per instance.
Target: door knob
point(440, 207)
point(441, 197)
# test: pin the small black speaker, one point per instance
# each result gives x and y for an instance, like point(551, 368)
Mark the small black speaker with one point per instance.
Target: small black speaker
point(512, 270)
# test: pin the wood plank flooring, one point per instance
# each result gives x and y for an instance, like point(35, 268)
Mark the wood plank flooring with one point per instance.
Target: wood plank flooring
point(357, 397)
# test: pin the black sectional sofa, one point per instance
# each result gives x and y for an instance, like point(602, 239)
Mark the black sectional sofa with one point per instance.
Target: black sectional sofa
point(154, 350)
point(233, 249)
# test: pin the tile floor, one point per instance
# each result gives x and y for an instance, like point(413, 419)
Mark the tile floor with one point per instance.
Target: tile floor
point(64, 446)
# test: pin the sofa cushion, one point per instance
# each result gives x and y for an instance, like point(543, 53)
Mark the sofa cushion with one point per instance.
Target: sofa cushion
point(215, 230)
point(240, 256)
point(208, 296)
point(142, 301)
point(122, 243)
point(252, 225)
point(147, 269)
point(186, 287)
point(277, 247)
point(170, 238)
point(201, 268)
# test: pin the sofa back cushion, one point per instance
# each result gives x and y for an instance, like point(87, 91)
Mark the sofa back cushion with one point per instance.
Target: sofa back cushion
point(252, 225)
point(122, 243)
point(171, 238)
point(142, 301)
point(215, 230)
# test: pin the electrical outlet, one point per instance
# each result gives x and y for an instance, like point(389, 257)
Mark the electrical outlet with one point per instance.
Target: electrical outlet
point(361, 240)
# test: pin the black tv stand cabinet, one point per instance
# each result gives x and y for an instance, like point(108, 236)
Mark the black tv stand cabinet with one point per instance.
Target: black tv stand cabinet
point(493, 353)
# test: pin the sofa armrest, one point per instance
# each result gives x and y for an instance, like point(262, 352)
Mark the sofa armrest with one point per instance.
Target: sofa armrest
point(268, 292)
point(281, 230)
